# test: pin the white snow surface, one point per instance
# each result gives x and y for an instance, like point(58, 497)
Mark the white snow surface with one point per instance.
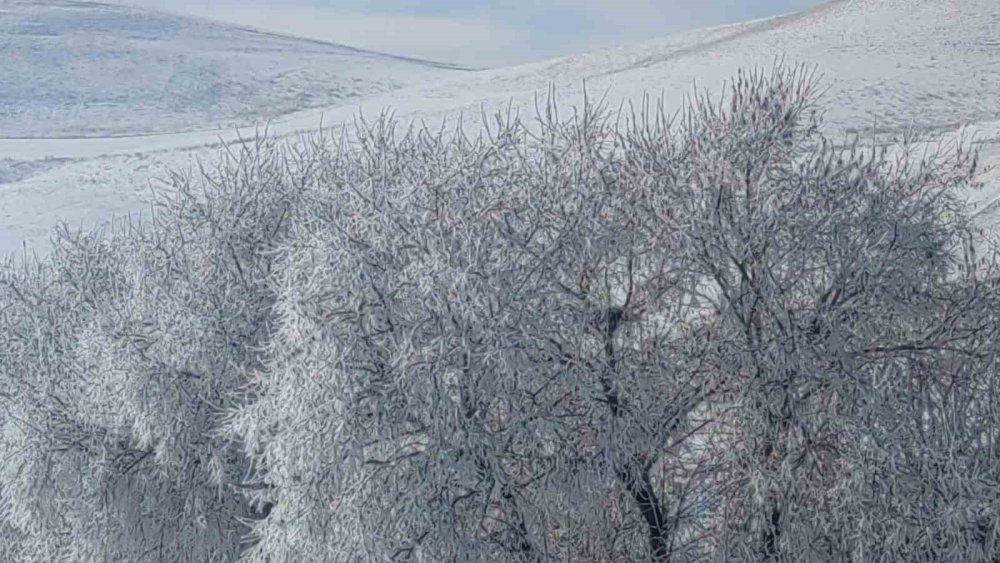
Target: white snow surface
point(933, 66)
point(84, 69)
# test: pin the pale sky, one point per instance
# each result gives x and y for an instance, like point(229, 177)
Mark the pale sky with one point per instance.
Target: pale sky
point(480, 32)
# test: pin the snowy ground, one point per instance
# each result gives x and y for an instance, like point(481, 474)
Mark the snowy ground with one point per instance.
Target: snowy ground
point(76, 69)
point(933, 66)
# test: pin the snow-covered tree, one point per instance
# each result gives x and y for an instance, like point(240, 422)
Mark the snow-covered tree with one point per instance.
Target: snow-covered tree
point(118, 356)
point(859, 331)
point(713, 335)
point(574, 341)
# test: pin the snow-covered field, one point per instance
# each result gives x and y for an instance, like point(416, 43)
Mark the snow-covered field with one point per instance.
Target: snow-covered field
point(80, 69)
point(896, 64)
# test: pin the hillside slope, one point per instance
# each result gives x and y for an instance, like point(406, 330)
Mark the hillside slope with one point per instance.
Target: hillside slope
point(73, 69)
point(933, 65)
point(892, 63)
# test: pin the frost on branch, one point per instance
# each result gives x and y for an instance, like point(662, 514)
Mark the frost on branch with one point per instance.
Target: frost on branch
point(118, 357)
point(595, 336)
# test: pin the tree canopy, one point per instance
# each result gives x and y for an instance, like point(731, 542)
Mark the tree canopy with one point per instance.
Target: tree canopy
point(708, 335)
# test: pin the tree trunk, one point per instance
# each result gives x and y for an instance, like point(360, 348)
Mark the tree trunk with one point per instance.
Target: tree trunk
point(633, 476)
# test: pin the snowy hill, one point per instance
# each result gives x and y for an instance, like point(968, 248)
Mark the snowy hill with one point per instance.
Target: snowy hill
point(934, 66)
point(72, 69)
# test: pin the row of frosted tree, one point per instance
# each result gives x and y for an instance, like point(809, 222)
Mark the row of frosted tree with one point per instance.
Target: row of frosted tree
point(629, 335)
